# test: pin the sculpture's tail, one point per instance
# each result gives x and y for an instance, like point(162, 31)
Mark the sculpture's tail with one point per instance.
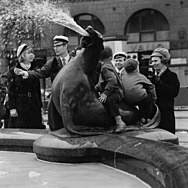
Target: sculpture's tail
point(155, 120)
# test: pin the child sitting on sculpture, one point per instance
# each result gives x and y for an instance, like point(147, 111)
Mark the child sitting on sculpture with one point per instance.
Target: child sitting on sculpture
point(139, 91)
point(109, 88)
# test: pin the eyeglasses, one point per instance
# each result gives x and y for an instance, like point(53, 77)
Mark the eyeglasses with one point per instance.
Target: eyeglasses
point(59, 45)
point(154, 61)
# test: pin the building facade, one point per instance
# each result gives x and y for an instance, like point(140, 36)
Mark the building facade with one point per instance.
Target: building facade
point(134, 26)
point(141, 25)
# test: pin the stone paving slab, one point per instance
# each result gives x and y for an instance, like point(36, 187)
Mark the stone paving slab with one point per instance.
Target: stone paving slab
point(32, 134)
point(183, 138)
point(181, 114)
point(182, 127)
point(19, 139)
point(181, 124)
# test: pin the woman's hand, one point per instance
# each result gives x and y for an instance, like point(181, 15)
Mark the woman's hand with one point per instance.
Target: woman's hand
point(21, 72)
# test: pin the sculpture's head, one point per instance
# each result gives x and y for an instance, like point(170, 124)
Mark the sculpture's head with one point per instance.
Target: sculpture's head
point(94, 38)
point(93, 45)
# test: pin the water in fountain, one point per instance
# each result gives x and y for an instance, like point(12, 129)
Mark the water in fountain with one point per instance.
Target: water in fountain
point(49, 11)
point(20, 16)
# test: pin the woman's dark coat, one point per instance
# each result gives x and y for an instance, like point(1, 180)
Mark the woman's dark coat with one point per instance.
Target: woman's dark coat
point(25, 96)
point(167, 88)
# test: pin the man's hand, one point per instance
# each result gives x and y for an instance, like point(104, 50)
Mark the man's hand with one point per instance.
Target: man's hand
point(103, 98)
point(21, 72)
point(13, 113)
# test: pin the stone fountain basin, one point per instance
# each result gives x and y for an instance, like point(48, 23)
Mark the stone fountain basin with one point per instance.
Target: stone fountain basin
point(153, 155)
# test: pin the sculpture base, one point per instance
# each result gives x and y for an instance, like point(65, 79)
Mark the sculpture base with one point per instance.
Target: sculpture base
point(151, 154)
point(60, 146)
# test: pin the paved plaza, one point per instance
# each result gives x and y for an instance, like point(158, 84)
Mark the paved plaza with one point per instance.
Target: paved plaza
point(182, 126)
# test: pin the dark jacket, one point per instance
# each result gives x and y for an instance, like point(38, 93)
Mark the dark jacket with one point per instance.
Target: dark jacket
point(109, 81)
point(167, 88)
point(2, 100)
point(50, 69)
point(24, 96)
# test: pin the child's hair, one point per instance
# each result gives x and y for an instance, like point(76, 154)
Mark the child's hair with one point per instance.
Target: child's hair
point(131, 65)
point(106, 53)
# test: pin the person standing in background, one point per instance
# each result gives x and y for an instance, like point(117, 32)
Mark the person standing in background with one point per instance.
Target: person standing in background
point(167, 88)
point(4, 111)
point(54, 65)
point(24, 96)
point(119, 59)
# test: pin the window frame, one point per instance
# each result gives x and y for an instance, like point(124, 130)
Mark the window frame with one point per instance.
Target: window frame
point(139, 15)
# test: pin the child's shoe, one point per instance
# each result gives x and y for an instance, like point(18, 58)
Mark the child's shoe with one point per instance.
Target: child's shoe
point(120, 128)
point(120, 125)
point(143, 120)
point(148, 120)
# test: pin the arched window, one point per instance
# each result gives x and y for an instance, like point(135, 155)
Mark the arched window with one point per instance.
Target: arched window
point(84, 20)
point(146, 26)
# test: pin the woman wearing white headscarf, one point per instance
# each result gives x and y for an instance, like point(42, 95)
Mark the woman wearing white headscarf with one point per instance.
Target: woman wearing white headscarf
point(24, 94)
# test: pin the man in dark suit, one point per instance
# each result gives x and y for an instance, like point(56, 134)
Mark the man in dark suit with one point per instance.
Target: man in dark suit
point(167, 88)
point(53, 66)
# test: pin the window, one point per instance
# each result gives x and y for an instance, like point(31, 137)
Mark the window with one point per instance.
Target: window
point(146, 26)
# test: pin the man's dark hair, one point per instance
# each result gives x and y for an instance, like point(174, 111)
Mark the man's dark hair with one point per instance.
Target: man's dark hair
point(106, 53)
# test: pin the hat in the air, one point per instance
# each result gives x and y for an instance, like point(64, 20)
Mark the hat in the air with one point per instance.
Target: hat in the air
point(21, 49)
point(119, 55)
point(60, 38)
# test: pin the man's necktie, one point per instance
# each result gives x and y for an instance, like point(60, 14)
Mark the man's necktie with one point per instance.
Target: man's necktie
point(63, 62)
point(119, 74)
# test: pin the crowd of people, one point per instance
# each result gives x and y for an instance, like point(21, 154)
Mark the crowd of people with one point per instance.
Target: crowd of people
point(117, 79)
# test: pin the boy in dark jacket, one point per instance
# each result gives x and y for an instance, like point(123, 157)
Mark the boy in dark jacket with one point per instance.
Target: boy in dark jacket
point(138, 90)
point(109, 87)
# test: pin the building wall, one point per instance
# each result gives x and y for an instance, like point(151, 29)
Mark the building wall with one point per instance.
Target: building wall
point(114, 14)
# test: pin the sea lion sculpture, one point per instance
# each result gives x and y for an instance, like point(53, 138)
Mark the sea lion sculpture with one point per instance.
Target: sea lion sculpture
point(74, 101)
